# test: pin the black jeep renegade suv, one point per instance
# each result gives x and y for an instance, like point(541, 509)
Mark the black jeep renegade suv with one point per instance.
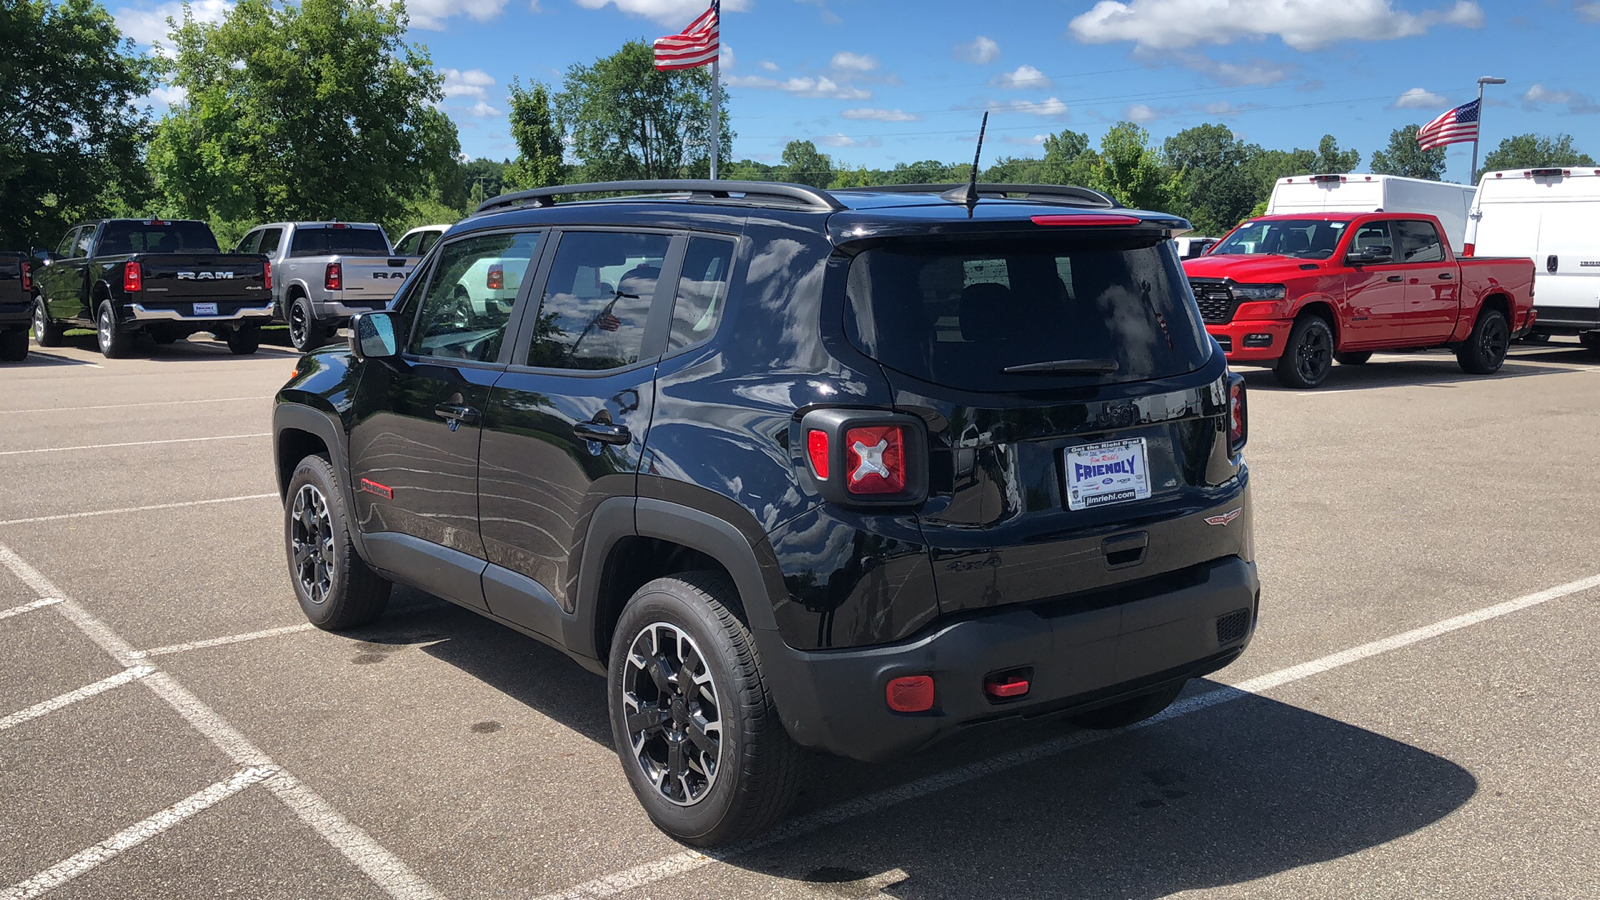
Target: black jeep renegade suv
point(849, 471)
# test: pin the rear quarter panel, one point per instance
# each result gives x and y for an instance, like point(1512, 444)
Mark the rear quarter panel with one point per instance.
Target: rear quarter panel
point(1482, 278)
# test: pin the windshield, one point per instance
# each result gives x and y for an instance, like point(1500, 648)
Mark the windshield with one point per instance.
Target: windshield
point(337, 240)
point(1299, 238)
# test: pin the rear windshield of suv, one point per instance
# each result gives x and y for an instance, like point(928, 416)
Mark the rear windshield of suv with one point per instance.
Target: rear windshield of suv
point(959, 313)
point(331, 241)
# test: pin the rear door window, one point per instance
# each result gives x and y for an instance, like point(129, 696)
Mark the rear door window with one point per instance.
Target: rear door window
point(959, 313)
point(1419, 242)
point(597, 300)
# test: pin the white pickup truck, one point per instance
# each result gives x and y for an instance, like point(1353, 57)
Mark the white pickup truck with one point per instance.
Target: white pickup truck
point(325, 272)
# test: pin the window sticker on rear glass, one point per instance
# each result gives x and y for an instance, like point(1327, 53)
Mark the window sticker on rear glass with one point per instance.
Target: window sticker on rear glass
point(1102, 474)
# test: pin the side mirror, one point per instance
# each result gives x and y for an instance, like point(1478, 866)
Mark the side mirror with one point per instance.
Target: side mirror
point(45, 257)
point(1370, 256)
point(372, 336)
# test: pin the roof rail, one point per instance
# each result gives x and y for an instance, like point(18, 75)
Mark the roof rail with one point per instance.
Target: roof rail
point(749, 193)
point(1042, 193)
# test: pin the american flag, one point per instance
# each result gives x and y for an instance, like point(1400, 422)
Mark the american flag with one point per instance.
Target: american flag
point(694, 46)
point(1454, 127)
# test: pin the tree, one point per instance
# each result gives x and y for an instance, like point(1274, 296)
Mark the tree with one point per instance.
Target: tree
point(1526, 151)
point(307, 110)
point(802, 164)
point(629, 119)
point(1333, 161)
point(1212, 165)
point(1068, 159)
point(1406, 157)
point(70, 134)
point(1016, 170)
point(540, 161)
point(1131, 170)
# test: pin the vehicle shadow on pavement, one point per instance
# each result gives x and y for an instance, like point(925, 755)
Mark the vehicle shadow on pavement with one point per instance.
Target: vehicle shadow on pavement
point(1423, 370)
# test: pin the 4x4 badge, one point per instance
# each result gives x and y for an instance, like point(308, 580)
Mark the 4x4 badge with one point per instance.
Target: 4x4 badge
point(1225, 518)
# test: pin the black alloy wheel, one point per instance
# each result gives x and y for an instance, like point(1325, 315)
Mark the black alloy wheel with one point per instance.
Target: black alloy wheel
point(1485, 349)
point(335, 587)
point(311, 547)
point(1308, 354)
point(674, 721)
point(305, 333)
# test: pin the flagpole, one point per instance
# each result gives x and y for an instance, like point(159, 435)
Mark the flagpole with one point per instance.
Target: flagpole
point(1472, 173)
point(716, 110)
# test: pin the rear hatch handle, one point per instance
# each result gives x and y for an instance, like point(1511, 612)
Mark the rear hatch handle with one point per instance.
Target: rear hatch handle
point(1125, 550)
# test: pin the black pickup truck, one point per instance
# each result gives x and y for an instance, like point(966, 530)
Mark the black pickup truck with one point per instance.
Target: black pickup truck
point(16, 303)
point(166, 278)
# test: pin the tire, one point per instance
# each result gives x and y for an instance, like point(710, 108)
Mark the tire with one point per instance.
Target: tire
point(1307, 355)
point(1134, 709)
point(114, 344)
point(753, 771)
point(14, 345)
point(1353, 359)
point(244, 340)
point(1590, 339)
point(1485, 348)
point(47, 333)
point(305, 332)
point(335, 587)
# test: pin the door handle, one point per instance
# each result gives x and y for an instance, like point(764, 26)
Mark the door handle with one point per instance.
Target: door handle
point(1395, 278)
point(604, 432)
point(457, 414)
point(1445, 276)
point(1552, 262)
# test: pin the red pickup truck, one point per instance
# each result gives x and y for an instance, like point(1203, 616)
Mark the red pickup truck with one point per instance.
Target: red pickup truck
point(1298, 292)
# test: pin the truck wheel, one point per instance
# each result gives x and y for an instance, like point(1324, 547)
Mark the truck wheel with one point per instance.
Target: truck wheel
point(45, 332)
point(14, 345)
point(304, 331)
point(1126, 712)
point(1307, 355)
point(1590, 339)
point(244, 340)
point(334, 585)
point(1485, 349)
point(114, 344)
point(693, 722)
point(1353, 359)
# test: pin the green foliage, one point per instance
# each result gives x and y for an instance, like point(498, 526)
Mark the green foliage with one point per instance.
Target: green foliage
point(1405, 157)
point(70, 135)
point(1526, 151)
point(1333, 161)
point(540, 160)
point(1015, 170)
point(423, 211)
point(1215, 185)
point(1130, 169)
point(802, 164)
point(629, 119)
point(308, 110)
point(1069, 160)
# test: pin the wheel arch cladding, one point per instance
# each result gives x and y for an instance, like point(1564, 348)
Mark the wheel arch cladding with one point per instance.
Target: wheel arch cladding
point(1323, 310)
point(301, 431)
point(1499, 301)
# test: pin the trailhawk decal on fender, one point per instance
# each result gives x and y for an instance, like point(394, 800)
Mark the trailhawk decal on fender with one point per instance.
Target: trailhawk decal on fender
point(1225, 518)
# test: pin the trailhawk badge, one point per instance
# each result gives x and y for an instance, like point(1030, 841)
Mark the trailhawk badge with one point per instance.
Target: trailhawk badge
point(1225, 518)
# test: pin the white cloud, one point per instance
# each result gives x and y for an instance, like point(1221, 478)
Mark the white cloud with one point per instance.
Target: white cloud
point(1589, 12)
point(1024, 78)
point(980, 51)
point(1050, 107)
point(845, 61)
point(1034, 141)
point(841, 140)
point(769, 65)
point(147, 23)
point(471, 83)
point(1224, 108)
point(430, 14)
point(1243, 73)
point(725, 57)
point(1140, 113)
point(880, 115)
point(483, 110)
point(668, 12)
point(169, 96)
point(1302, 24)
point(1419, 98)
point(802, 86)
point(1538, 95)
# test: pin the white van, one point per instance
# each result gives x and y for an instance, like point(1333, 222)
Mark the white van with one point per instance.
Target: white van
point(1376, 193)
point(1550, 215)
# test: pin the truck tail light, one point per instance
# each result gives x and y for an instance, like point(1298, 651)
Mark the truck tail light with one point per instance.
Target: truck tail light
point(1238, 415)
point(27, 276)
point(1468, 249)
point(875, 459)
point(817, 448)
point(910, 693)
point(333, 278)
point(497, 277)
point(132, 277)
point(266, 274)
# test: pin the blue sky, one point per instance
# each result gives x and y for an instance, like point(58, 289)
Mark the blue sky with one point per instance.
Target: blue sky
point(874, 82)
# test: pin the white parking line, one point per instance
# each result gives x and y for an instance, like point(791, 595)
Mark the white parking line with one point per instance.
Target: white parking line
point(133, 509)
point(223, 641)
point(132, 836)
point(28, 607)
point(383, 867)
point(192, 440)
point(48, 409)
point(689, 860)
point(71, 697)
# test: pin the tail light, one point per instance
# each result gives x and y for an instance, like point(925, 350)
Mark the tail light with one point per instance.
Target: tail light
point(132, 277)
point(1468, 249)
point(27, 276)
point(333, 278)
point(1238, 415)
point(866, 458)
point(497, 277)
point(910, 693)
point(266, 274)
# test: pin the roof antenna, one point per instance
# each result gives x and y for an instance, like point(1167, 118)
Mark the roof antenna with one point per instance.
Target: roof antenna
point(969, 193)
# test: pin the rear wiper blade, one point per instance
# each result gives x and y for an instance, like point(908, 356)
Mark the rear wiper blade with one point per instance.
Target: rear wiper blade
point(1067, 366)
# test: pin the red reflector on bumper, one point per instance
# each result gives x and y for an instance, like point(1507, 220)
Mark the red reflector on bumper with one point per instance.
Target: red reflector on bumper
point(911, 693)
point(1006, 687)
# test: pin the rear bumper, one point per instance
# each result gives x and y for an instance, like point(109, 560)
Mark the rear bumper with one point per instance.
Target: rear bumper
point(1566, 319)
point(1252, 341)
point(338, 309)
point(147, 314)
point(1080, 657)
point(19, 313)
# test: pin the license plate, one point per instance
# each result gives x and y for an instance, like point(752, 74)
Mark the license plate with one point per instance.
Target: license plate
point(1102, 474)
point(205, 309)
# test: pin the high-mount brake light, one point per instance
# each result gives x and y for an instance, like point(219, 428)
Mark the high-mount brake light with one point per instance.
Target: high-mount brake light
point(1548, 173)
point(1238, 416)
point(156, 222)
point(333, 278)
point(875, 459)
point(338, 225)
point(1087, 220)
point(497, 277)
point(817, 448)
point(266, 274)
point(1327, 179)
point(27, 276)
point(1468, 249)
point(910, 693)
point(132, 277)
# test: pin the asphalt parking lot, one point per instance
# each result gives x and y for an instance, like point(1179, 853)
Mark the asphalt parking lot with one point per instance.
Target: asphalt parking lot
point(1417, 716)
